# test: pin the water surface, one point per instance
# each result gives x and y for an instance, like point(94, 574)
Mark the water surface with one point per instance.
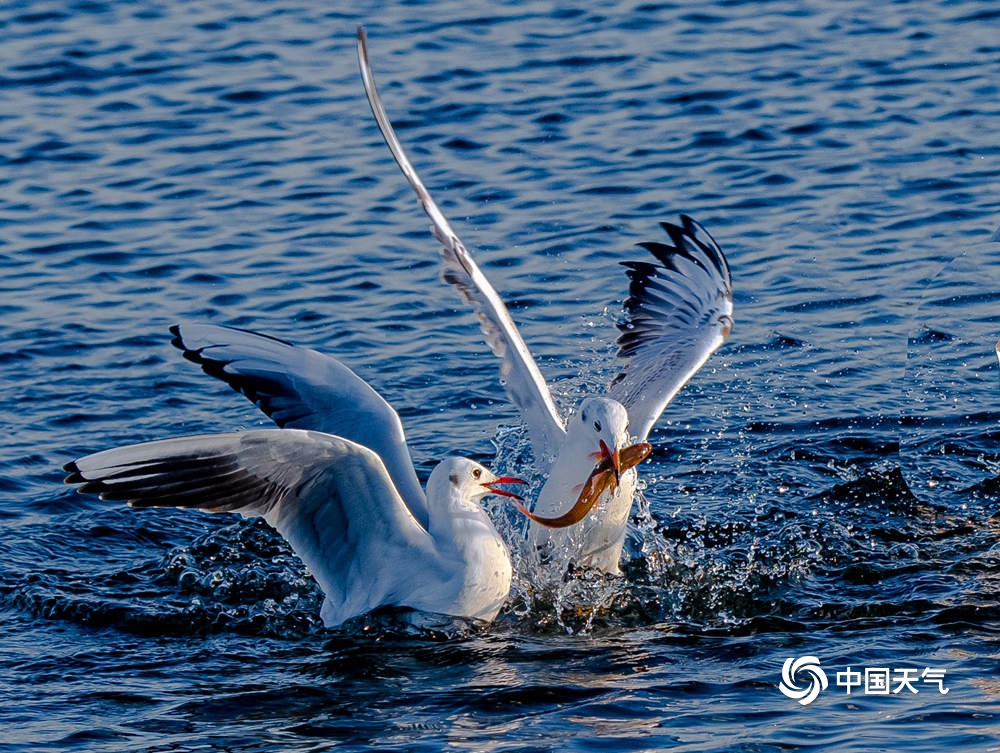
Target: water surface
point(826, 486)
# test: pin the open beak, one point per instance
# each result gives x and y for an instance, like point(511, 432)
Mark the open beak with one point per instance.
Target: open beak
point(605, 477)
point(492, 486)
point(608, 460)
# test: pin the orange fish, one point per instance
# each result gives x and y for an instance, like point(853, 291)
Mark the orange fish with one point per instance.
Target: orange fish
point(604, 477)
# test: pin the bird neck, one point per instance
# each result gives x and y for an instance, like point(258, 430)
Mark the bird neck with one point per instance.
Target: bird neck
point(458, 523)
point(453, 518)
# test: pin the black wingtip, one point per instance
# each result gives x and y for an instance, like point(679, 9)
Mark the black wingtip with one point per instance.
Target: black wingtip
point(690, 240)
point(86, 485)
point(194, 354)
point(94, 487)
point(74, 476)
point(178, 341)
point(259, 389)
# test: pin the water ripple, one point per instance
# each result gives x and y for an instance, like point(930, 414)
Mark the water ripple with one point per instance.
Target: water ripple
point(827, 485)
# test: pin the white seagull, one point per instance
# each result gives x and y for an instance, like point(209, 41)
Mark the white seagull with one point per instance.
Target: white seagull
point(334, 501)
point(338, 483)
point(679, 311)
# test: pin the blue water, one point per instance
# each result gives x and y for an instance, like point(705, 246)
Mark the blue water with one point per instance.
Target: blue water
point(826, 486)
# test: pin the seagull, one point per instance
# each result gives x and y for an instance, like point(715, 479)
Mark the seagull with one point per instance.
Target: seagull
point(678, 312)
point(336, 479)
point(338, 506)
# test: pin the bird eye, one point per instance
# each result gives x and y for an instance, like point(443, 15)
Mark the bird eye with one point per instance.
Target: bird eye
point(476, 473)
point(597, 425)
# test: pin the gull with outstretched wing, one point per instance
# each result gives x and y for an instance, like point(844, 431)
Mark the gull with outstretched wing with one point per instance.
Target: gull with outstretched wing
point(678, 312)
point(338, 505)
point(337, 480)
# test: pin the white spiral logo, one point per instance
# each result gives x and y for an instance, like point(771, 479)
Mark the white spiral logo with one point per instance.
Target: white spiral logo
point(817, 679)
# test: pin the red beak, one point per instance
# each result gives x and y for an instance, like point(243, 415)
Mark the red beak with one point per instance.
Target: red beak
point(492, 486)
point(613, 459)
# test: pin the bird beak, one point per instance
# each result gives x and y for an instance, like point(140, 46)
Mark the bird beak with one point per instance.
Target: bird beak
point(492, 486)
point(609, 461)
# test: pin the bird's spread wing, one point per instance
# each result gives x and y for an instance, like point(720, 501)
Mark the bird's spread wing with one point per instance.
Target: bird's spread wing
point(518, 372)
point(678, 312)
point(301, 388)
point(330, 498)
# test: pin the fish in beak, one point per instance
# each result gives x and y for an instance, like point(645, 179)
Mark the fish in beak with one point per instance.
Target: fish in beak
point(610, 459)
point(606, 476)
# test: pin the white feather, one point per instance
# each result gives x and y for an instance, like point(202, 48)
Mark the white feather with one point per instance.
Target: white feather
point(336, 504)
point(680, 312)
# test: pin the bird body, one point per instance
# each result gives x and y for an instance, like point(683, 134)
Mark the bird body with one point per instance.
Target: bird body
point(334, 501)
point(337, 480)
point(596, 540)
point(678, 312)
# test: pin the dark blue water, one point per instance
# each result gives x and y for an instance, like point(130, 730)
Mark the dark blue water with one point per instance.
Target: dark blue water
point(826, 486)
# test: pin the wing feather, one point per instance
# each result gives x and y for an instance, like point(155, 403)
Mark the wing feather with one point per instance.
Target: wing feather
point(300, 388)
point(519, 373)
point(678, 312)
point(332, 499)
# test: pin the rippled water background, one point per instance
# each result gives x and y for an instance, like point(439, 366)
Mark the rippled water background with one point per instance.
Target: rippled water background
point(826, 486)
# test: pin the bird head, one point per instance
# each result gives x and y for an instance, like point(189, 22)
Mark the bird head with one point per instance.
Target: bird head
point(600, 430)
point(473, 481)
